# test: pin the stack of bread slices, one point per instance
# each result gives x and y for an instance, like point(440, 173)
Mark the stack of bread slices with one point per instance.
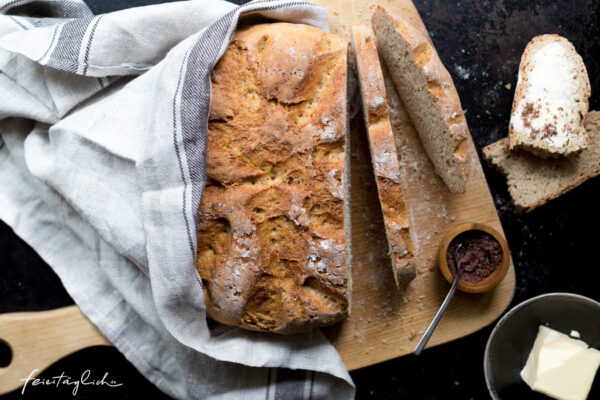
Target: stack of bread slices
point(553, 143)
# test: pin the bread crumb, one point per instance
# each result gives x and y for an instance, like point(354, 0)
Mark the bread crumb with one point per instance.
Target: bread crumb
point(412, 334)
point(508, 86)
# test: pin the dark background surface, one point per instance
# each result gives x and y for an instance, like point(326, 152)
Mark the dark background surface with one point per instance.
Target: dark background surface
point(554, 248)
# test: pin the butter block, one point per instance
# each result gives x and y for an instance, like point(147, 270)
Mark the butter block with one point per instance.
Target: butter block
point(560, 367)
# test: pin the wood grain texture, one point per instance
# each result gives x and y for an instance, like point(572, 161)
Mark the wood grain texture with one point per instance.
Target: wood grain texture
point(385, 323)
point(38, 339)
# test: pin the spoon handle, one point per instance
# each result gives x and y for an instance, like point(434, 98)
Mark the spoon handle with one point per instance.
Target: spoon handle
point(438, 315)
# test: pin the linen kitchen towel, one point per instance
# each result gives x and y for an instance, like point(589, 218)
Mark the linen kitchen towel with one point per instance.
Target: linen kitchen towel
point(103, 129)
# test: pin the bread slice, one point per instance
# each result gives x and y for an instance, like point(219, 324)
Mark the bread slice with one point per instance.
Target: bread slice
point(274, 222)
point(551, 99)
point(428, 93)
point(533, 181)
point(384, 155)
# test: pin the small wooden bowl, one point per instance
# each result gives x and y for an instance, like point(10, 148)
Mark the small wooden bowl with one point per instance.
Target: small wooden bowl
point(495, 277)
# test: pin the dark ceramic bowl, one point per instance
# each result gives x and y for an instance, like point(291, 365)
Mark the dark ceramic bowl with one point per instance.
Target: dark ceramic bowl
point(512, 339)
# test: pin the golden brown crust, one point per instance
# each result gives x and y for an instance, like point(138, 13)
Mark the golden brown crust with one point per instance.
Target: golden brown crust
point(384, 155)
point(440, 85)
point(271, 245)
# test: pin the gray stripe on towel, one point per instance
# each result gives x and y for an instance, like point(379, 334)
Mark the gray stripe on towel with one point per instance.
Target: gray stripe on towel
point(289, 384)
point(65, 56)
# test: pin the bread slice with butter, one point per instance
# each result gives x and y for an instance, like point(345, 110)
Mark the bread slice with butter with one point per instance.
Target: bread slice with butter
point(551, 99)
point(384, 155)
point(533, 181)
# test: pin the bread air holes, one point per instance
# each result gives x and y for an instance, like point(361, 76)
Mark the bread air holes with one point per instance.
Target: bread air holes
point(271, 174)
point(295, 177)
point(302, 116)
point(281, 238)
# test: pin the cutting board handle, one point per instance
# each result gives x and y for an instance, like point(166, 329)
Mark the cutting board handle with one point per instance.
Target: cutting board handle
point(38, 339)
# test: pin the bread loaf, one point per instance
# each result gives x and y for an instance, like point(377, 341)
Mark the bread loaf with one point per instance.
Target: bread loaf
point(551, 99)
point(428, 93)
point(533, 181)
point(384, 155)
point(271, 242)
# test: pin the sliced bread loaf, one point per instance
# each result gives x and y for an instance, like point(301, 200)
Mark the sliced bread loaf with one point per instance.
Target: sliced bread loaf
point(533, 181)
point(551, 99)
point(384, 155)
point(428, 93)
point(274, 232)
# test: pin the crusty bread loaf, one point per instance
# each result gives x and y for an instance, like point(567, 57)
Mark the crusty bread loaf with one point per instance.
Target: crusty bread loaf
point(271, 240)
point(428, 93)
point(551, 99)
point(533, 181)
point(384, 155)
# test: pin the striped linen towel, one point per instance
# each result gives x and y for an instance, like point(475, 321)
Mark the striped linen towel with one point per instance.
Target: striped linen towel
point(103, 127)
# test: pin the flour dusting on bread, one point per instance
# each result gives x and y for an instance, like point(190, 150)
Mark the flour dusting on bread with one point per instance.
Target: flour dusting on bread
point(384, 156)
point(271, 239)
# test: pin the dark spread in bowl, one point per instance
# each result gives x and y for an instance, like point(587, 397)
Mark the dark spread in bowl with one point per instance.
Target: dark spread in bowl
point(480, 255)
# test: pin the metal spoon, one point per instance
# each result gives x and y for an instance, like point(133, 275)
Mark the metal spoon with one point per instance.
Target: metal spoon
point(440, 313)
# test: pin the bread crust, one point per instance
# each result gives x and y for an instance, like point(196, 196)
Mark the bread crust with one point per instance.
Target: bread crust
point(384, 155)
point(271, 243)
point(539, 144)
point(441, 87)
point(556, 176)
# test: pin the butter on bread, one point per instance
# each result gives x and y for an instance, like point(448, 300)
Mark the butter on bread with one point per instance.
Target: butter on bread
point(428, 93)
point(533, 181)
point(551, 99)
point(272, 243)
point(384, 156)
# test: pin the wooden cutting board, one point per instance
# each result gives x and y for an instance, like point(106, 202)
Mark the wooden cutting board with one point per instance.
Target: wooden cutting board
point(385, 323)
